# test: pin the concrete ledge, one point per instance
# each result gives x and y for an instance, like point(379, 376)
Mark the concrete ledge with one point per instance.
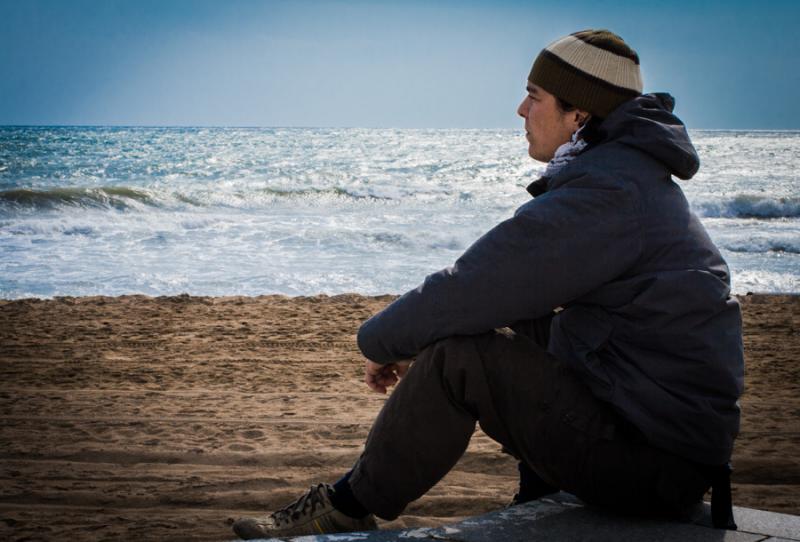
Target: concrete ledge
point(561, 517)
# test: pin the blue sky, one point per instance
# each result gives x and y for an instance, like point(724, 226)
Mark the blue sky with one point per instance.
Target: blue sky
point(388, 64)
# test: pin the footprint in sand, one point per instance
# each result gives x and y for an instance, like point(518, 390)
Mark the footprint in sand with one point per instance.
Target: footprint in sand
point(240, 448)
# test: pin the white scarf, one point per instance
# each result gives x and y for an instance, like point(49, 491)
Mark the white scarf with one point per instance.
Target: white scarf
point(565, 153)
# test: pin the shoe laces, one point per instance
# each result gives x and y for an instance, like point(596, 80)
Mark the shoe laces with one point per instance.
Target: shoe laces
point(312, 498)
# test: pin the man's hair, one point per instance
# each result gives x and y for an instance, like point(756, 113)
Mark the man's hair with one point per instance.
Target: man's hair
point(564, 105)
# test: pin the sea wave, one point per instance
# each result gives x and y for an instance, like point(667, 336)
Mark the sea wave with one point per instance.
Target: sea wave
point(126, 198)
point(749, 206)
point(118, 197)
point(757, 246)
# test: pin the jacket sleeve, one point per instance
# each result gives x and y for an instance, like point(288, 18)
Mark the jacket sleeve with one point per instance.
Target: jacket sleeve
point(555, 248)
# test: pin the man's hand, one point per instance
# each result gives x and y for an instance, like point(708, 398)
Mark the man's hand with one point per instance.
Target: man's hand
point(380, 377)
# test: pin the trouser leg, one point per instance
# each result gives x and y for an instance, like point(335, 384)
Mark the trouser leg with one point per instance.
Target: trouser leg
point(535, 407)
point(424, 427)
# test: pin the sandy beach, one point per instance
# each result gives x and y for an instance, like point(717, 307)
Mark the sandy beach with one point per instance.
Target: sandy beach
point(139, 418)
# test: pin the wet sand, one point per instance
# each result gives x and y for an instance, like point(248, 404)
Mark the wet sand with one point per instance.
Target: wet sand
point(138, 418)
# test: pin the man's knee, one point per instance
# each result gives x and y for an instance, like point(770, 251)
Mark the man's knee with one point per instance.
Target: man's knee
point(456, 363)
point(488, 341)
point(457, 351)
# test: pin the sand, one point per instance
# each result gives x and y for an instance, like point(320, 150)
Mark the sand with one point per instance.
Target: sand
point(138, 418)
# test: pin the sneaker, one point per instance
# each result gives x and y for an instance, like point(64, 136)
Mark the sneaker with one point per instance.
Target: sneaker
point(313, 513)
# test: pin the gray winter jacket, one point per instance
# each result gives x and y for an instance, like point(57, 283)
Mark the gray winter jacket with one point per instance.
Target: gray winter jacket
point(647, 320)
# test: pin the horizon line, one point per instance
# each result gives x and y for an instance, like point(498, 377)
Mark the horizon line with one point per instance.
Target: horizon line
point(252, 127)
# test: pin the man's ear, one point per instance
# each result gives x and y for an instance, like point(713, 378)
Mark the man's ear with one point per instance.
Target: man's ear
point(582, 117)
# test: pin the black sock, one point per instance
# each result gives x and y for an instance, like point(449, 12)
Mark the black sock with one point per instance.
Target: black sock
point(344, 501)
point(531, 486)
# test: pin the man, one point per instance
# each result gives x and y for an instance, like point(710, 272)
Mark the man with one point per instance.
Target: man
point(619, 382)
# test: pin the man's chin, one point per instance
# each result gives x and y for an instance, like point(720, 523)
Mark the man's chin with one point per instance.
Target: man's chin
point(532, 154)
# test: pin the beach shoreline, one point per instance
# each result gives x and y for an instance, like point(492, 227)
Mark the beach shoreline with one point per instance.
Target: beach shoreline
point(147, 418)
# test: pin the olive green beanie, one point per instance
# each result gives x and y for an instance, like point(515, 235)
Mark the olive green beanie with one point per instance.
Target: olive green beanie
point(593, 70)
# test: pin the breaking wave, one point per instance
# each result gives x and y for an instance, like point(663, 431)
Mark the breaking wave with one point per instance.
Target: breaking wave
point(758, 246)
point(119, 197)
point(125, 198)
point(750, 206)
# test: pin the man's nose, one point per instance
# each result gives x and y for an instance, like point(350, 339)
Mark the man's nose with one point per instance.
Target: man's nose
point(522, 110)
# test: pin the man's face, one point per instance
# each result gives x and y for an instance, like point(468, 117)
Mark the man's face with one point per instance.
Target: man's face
point(546, 126)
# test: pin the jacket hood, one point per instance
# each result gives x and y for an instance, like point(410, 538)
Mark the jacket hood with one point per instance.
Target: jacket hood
point(647, 123)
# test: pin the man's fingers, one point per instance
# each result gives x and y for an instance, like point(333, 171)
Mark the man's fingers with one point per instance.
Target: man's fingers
point(372, 377)
point(386, 376)
point(380, 377)
point(373, 384)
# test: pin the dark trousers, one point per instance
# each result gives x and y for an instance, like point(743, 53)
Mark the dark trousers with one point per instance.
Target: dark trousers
point(535, 407)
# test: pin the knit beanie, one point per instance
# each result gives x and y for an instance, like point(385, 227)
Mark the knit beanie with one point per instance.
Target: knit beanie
point(593, 70)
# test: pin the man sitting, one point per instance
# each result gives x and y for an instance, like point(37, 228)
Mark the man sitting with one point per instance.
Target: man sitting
point(620, 378)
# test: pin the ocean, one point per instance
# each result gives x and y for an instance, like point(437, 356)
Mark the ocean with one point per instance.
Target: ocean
point(303, 211)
